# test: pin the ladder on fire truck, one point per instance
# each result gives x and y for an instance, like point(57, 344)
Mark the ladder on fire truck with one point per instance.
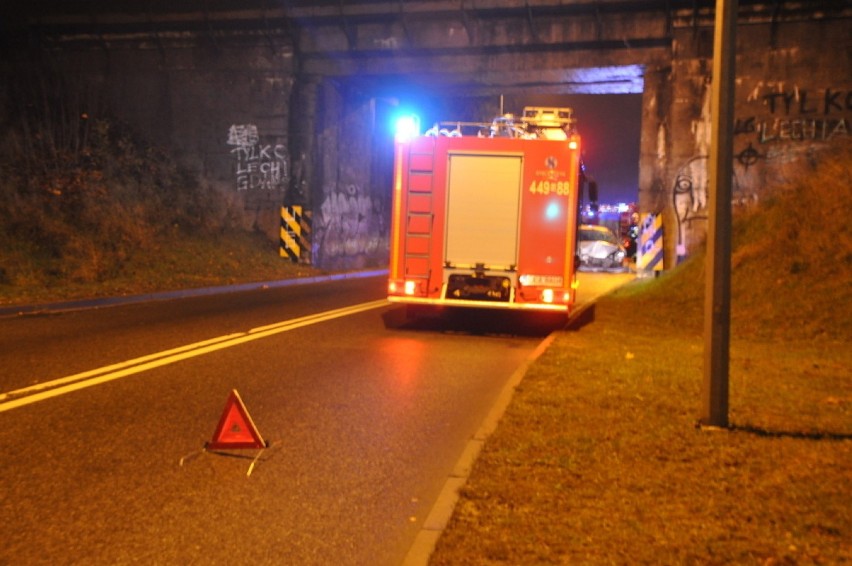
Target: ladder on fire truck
point(421, 172)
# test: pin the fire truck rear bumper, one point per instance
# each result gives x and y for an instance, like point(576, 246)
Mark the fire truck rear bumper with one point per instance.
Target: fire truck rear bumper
point(479, 304)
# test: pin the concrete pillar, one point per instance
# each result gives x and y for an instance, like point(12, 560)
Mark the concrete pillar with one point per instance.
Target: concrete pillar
point(654, 154)
point(350, 227)
point(303, 127)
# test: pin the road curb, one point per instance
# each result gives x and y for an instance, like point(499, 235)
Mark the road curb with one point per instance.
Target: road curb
point(181, 294)
point(442, 510)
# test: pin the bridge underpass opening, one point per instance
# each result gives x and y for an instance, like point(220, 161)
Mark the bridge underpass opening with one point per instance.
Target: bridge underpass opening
point(607, 107)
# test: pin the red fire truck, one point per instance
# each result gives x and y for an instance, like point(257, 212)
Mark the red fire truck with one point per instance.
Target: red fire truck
point(485, 215)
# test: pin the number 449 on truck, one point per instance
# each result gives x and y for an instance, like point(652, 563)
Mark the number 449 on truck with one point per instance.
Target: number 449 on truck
point(485, 215)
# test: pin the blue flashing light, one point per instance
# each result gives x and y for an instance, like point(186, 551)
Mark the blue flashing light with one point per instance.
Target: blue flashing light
point(407, 127)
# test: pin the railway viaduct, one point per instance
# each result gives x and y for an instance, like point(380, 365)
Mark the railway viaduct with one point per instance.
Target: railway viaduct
point(286, 102)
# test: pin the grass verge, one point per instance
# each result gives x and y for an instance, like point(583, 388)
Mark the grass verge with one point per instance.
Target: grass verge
point(598, 459)
point(171, 264)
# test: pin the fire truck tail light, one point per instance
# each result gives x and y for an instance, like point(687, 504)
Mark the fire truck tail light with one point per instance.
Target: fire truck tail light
point(547, 295)
point(398, 287)
point(572, 145)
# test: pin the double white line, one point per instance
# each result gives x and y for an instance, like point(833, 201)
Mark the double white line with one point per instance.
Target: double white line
point(63, 385)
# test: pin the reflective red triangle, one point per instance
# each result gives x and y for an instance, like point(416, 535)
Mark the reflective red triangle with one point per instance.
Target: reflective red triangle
point(235, 428)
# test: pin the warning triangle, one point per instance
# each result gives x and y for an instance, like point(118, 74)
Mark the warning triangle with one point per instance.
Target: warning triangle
point(235, 428)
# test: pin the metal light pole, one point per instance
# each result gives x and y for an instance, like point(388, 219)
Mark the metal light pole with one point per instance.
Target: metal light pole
point(717, 297)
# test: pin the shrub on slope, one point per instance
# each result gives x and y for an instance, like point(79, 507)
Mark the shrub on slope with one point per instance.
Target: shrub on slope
point(79, 211)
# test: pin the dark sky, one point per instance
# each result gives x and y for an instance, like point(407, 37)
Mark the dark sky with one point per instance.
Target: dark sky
point(609, 125)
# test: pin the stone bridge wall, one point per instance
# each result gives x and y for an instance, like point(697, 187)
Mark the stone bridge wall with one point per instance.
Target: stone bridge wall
point(292, 110)
point(793, 100)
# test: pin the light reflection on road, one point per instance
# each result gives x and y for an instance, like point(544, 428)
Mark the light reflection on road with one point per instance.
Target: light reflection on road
point(405, 356)
point(596, 284)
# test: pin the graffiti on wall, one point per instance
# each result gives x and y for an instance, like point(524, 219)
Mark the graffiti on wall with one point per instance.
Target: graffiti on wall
point(259, 166)
point(788, 121)
point(691, 183)
point(689, 197)
point(780, 125)
point(348, 228)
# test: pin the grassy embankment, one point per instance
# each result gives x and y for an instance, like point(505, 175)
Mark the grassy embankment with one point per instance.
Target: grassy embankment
point(87, 209)
point(598, 459)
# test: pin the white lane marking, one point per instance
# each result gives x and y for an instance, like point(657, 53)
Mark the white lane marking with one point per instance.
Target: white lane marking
point(105, 369)
point(61, 386)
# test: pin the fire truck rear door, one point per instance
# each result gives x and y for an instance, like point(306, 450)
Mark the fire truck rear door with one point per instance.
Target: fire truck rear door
point(484, 193)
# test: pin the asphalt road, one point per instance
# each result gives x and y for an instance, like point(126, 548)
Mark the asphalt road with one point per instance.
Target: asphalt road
point(365, 419)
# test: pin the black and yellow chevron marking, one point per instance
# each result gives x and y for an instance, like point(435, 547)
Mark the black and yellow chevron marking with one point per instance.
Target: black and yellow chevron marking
point(295, 234)
point(650, 254)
